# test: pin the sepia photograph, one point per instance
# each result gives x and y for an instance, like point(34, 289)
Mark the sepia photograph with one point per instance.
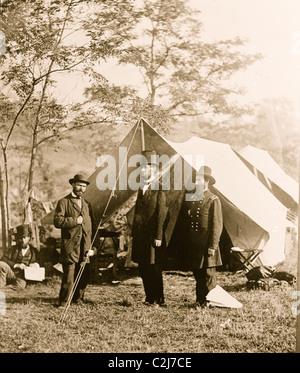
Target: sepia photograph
point(149, 180)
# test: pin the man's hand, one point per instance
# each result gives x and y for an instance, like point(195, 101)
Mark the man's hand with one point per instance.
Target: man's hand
point(211, 251)
point(79, 219)
point(157, 243)
point(91, 252)
point(21, 266)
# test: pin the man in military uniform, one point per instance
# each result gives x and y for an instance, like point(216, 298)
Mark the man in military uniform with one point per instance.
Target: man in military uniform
point(73, 215)
point(204, 223)
point(20, 256)
point(148, 244)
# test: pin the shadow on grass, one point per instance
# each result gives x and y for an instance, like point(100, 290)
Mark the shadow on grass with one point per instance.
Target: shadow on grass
point(108, 278)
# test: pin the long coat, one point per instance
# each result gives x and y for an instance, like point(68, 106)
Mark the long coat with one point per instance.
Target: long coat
point(148, 225)
point(204, 225)
point(76, 238)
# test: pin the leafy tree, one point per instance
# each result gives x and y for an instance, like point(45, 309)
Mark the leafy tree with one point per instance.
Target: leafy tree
point(45, 38)
point(187, 76)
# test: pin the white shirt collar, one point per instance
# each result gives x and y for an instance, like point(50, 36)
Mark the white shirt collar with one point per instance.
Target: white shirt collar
point(147, 184)
point(145, 187)
point(24, 251)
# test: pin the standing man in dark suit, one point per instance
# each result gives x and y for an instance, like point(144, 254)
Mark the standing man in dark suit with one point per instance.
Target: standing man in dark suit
point(148, 244)
point(73, 215)
point(204, 227)
point(19, 257)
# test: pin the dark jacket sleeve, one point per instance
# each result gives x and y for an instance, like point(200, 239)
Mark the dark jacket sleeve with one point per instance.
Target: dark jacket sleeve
point(60, 220)
point(216, 223)
point(35, 258)
point(162, 213)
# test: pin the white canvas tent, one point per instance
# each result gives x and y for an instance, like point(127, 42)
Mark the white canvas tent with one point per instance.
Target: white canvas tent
point(253, 217)
point(267, 170)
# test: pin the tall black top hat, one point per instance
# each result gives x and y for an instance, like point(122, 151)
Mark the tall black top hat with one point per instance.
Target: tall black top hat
point(23, 231)
point(79, 178)
point(207, 172)
point(149, 157)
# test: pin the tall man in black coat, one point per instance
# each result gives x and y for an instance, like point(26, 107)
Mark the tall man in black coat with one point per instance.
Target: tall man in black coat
point(148, 244)
point(73, 215)
point(204, 223)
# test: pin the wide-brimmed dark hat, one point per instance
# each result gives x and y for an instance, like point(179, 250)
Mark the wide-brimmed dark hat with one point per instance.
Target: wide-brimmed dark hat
point(79, 178)
point(207, 172)
point(23, 231)
point(149, 157)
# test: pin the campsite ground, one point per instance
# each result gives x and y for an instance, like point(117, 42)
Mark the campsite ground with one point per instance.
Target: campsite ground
point(115, 320)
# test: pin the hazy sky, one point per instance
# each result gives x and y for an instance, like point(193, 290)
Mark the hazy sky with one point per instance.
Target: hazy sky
point(271, 28)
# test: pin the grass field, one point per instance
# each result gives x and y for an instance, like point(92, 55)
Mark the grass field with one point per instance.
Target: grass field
point(115, 320)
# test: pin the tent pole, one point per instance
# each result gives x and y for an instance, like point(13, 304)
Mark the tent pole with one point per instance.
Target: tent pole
point(298, 270)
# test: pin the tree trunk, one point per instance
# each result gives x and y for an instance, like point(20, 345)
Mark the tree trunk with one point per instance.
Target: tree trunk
point(35, 130)
point(32, 162)
point(6, 204)
point(3, 215)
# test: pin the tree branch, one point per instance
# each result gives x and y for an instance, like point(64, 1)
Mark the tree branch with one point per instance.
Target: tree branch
point(17, 116)
point(60, 70)
point(106, 120)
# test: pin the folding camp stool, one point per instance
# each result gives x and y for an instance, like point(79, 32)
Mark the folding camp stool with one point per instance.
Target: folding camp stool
point(247, 257)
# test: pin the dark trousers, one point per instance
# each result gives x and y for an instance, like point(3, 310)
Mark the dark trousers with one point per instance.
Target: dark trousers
point(69, 276)
point(151, 275)
point(205, 281)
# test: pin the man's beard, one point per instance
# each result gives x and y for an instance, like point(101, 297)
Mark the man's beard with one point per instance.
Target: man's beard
point(78, 193)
